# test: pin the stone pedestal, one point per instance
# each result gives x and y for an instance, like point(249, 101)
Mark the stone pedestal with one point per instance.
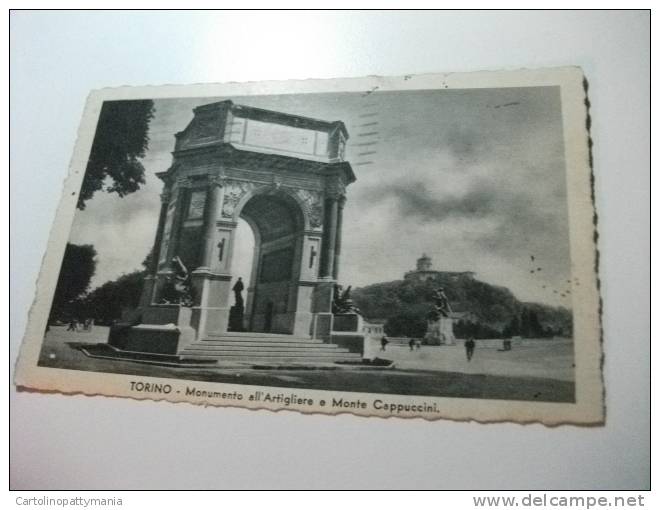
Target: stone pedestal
point(156, 337)
point(440, 332)
point(211, 310)
point(236, 318)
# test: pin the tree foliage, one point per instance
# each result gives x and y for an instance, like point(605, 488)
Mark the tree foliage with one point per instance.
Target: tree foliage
point(477, 330)
point(78, 267)
point(121, 140)
point(488, 311)
point(106, 303)
point(406, 324)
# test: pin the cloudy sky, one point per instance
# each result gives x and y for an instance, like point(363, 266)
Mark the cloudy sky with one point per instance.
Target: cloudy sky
point(474, 178)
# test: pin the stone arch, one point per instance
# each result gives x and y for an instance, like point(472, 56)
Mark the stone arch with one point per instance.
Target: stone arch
point(278, 219)
point(287, 195)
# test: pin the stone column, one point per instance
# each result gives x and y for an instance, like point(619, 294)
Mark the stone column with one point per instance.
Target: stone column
point(177, 223)
point(340, 220)
point(210, 218)
point(148, 289)
point(155, 252)
point(330, 239)
point(210, 281)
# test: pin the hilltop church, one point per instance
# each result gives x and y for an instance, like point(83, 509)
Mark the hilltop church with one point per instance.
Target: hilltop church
point(424, 272)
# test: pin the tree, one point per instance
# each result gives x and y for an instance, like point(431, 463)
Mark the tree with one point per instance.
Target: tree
point(477, 330)
point(513, 328)
point(406, 324)
point(78, 267)
point(121, 139)
point(106, 303)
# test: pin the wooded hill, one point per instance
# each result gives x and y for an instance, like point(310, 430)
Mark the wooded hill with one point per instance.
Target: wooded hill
point(482, 310)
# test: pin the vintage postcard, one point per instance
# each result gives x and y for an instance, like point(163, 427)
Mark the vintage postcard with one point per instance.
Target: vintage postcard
point(415, 246)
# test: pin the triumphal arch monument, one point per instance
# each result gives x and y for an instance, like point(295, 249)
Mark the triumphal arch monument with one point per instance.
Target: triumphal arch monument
point(286, 176)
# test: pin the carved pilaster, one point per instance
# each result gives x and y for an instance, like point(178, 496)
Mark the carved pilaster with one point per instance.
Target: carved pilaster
point(184, 181)
point(340, 220)
point(165, 196)
point(329, 238)
point(210, 218)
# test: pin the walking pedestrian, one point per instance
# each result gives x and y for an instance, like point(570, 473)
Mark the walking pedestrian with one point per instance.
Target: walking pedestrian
point(383, 343)
point(469, 348)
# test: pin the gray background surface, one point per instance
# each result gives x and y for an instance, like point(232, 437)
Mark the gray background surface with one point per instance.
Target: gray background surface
point(81, 442)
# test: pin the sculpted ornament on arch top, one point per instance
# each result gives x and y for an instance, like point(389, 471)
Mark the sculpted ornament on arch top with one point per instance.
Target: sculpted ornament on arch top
point(233, 192)
point(313, 201)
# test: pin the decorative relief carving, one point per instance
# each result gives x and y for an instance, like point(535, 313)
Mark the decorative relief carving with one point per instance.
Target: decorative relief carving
point(233, 192)
point(313, 201)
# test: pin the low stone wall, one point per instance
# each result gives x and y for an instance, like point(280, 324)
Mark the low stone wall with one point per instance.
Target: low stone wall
point(402, 340)
point(156, 338)
point(345, 322)
point(352, 341)
point(153, 339)
point(160, 314)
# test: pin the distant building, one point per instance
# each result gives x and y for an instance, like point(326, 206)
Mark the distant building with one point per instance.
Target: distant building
point(424, 272)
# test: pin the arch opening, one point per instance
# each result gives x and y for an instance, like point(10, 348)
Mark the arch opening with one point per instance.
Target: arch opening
point(276, 223)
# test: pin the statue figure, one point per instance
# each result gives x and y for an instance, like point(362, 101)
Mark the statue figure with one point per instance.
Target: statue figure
point(439, 325)
point(336, 298)
point(342, 302)
point(238, 289)
point(441, 302)
point(178, 288)
point(237, 311)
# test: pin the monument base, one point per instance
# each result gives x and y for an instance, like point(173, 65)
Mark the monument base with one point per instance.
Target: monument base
point(440, 332)
point(156, 337)
point(236, 318)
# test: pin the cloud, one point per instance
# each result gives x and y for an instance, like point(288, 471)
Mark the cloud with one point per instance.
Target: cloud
point(476, 187)
point(418, 202)
point(464, 143)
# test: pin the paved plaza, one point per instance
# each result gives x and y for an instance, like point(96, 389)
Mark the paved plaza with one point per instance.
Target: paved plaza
point(541, 371)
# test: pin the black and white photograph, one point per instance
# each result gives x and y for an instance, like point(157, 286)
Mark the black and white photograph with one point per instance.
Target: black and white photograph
point(411, 237)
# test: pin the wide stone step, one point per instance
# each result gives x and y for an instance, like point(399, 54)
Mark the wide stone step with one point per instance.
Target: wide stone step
point(262, 347)
point(253, 335)
point(277, 358)
point(259, 343)
point(267, 352)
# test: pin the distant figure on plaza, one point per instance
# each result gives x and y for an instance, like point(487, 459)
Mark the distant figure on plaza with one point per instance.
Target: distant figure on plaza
point(238, 289)
point(469, 348)
point(73, 325)
point(383, 343)
point(411, 344)
point(441, 302)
